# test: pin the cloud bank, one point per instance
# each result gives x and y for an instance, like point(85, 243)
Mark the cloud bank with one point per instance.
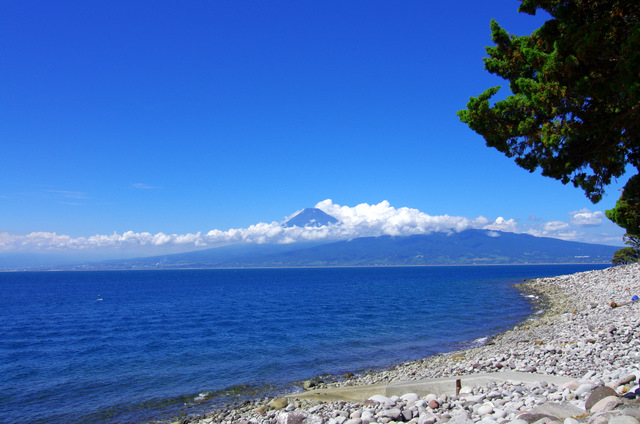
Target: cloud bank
point(363, 220)
point(586, 218)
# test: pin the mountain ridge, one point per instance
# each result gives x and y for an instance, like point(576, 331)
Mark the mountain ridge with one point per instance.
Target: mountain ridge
point(469, 247)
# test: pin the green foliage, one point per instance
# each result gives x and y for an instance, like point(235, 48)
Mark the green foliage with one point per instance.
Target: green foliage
point(574, 111)
point(624, 256)
point(626, 213)
point(629, 254)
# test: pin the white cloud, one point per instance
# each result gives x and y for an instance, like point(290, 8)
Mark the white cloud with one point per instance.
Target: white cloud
point(373, 220)
point(358, 221)
point(555, 226)
point(556, 229)
point(586, 218)
point(501, 224)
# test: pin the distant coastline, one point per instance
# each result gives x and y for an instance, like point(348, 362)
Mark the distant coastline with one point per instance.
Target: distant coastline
point(469, 247)
point(75, 269)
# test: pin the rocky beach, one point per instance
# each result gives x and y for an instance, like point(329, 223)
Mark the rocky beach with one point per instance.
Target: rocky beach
point(580, 356)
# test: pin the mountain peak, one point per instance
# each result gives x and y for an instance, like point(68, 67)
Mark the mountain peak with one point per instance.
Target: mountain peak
point(310, 217)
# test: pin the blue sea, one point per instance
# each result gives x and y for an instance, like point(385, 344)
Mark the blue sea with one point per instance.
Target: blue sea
point(145, 346)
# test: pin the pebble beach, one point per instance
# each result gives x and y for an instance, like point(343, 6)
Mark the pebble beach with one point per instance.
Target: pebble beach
point(579, 334)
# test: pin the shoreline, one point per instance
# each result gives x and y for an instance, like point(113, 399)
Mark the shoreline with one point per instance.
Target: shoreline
point(577, 335)
point(75, 269)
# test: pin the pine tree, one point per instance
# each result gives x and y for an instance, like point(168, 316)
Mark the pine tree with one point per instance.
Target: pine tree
point(574, 107)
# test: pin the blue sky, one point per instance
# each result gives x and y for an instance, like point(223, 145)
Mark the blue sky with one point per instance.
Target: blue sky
point(180, 118)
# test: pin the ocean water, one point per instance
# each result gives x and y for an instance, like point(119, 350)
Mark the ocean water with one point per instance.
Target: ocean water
point(141, 346)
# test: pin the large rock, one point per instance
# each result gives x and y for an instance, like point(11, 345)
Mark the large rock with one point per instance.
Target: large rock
point(598, 394)
point(278, 403)
point(311, 383)
point(485, 409)
point(381, 399)
point(532, 418)
point(584, 388)
point(393, 413)
point(427, 417)
point(367, 415)
point(607, 404)
point(295, 417)
point(572, 385)
point(559, 410)
point(410, 397)
point(624, 380)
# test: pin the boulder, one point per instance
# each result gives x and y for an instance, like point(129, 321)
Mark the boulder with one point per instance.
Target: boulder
point(410, 397)
point(572, 385)
point(393, 413)
point(598, 394)
point(530, 417)
point(367, 415)
point(559, 410)
point(485, 409)
point(626, 379)
point(427, 417)
point(609, 403)
point(381, 399)
point(279, 403)
point(311, 383)
point(296, 417)
point(584, 388)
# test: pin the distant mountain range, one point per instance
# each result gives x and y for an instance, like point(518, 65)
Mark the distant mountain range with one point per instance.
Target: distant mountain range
point(457, 248)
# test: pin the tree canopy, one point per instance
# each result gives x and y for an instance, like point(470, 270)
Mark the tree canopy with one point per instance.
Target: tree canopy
point(629, 254)
point(574, 107)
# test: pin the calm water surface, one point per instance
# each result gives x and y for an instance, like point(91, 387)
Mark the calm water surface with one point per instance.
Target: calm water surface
point(138, 346)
